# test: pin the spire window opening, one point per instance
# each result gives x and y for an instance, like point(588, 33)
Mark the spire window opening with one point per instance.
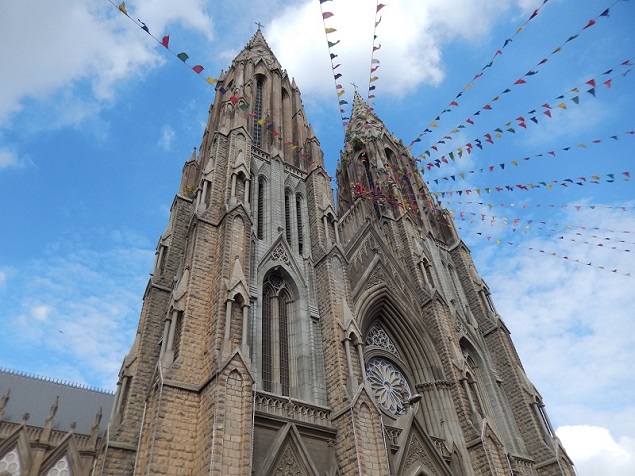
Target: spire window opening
point(287, 218)
point(260, 217)
point(258, 112)
point(298, 211)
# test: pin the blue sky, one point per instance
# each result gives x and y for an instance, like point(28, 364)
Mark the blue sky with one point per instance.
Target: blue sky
point(97, 119)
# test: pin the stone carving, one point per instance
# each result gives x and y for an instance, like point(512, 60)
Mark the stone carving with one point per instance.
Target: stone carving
point(289, 464)
point(417, 454)
point(280, 254)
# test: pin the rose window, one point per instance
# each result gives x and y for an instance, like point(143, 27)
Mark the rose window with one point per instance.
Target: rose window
point(388, 384)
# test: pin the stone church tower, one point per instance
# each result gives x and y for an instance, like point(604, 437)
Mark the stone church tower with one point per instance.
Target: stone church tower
point(282, 334)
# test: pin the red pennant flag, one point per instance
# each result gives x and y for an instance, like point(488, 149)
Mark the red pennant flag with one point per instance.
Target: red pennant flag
point(454, 103)
point(198, 68)
point(234, 99)
point(487, 107)
point(591, 82)
point(520, 81)
point(548, 112)
point(380, 6)
point(469, 121)
point(591, 23)
point(607, 83)
point(533, 15)
point(542, 62)
point(165, 40)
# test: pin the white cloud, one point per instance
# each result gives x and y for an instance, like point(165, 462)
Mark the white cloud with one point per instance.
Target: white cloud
point(3, 278)
point(411, 34)
point(40, 312)
point(68, 44)
point(575, 347)
point(86, 310)
point(8, 159)
point(167, 136)
point(595, 452)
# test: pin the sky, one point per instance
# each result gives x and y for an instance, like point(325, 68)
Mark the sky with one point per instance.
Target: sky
point(97, 119)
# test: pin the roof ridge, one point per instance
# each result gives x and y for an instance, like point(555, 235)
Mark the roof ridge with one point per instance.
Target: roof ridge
point(80, 386)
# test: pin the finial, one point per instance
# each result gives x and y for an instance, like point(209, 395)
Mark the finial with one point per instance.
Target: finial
point(259, 25)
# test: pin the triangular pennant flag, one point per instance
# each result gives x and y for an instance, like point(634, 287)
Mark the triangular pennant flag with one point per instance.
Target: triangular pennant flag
point(211, 80)
point(329, 30)
point(165, 40)
point(326, 15)
point(198, 68)
point(182, 56)
point(122, 8)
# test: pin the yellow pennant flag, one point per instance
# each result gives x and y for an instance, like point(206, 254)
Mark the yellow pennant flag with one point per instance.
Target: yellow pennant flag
point(211, 80)
point(122, 8)
point(330, 30)
point(581, 145)
point(469, 86)
point(549, 186)
point(295, 147)
point(562, 105)
point(374, 78)
point(261, 121)
point(433, 124)
point(515, 162)
point(340, 92)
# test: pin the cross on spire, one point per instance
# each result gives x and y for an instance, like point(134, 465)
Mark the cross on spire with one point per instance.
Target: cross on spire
point(259, 25)
point(355, 86)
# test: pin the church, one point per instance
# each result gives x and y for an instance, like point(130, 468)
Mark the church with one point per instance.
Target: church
point(286, 332)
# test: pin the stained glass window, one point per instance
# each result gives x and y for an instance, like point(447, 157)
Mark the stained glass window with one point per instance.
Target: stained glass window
point(389, 386)
point(377, 336)
point(10, 462)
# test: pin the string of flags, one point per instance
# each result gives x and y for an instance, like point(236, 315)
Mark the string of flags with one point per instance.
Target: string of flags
point(520, 81)
point(499, 241)
point(337, 75)
point(516, 224)
point(576, 207)
point(516, 163)
point(593, 179)
point(521, 122)
point(164, 41)
point(480, 74)
point(374, 62)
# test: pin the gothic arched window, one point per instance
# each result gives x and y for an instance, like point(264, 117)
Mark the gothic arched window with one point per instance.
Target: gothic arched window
point(277, 311)
point(260, 225)
point(288, 229)
point(298, 213)
point(258, 111)
point(388, 383)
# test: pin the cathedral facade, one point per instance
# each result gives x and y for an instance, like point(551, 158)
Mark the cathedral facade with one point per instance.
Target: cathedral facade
point(283, 333)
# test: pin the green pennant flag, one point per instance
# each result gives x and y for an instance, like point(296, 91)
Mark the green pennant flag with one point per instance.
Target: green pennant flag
point(182, 56)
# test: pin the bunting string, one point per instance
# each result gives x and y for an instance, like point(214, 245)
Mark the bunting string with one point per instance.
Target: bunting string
point(164, 41)
point(374, 62)
point(516, 163)
point(523, 80)
point(518, 224)
point(521, 123)
point(593, 179)
point(499, 241)
point(337, 75)
point(480, 74)
point(577, 207)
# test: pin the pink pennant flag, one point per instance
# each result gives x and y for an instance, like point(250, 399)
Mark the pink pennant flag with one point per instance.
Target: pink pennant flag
point(591, 23)
point(380, 6)
point(165, 40)
point(198, 68)
point(375, 48)
point(326, 15)
point(607, 83)
point(520, 81)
